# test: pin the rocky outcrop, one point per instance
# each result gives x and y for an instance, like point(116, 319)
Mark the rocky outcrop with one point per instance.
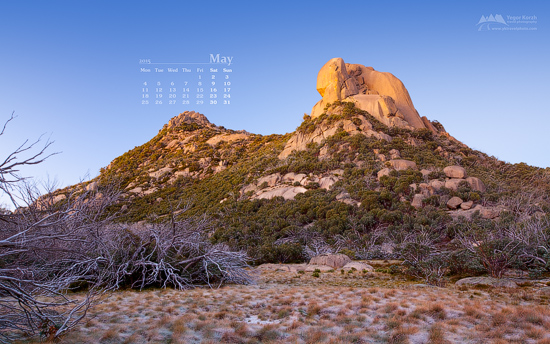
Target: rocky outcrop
point(287, 192)
point(300, 140)
point(277, 185)
point(269, 180)
point(455, 176)
point(336, 261)
point(485, 212)
point(226, 137)
point(188, 117)
point(381, 94)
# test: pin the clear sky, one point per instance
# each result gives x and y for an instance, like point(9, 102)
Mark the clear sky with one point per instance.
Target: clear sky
point(69, 69)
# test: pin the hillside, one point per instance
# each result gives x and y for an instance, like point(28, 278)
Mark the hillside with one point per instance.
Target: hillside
point(348, 179)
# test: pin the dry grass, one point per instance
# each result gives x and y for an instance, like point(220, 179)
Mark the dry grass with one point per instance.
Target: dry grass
point(334, 308)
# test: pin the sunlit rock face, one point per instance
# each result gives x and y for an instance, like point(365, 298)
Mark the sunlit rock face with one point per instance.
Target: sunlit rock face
point(381, 94)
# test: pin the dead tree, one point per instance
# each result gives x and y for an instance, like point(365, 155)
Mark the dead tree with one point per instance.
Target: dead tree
point(43, 254)
point(171, 253)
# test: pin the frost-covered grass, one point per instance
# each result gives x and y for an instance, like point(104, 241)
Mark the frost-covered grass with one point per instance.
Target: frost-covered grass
point(290, 307)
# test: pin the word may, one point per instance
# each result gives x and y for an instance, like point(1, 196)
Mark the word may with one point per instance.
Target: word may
point(221, 59)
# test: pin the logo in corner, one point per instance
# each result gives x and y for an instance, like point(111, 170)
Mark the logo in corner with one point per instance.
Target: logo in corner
point(485, 23)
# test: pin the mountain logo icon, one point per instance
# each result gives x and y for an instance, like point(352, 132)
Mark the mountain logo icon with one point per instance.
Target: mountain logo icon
point(485, 22)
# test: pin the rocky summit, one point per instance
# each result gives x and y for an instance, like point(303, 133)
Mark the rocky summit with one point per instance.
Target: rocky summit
point(363, 175)
point(379, 93)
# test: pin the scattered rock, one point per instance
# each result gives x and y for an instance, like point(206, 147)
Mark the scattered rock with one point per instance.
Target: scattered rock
point(226, 137)
point(336, 261)
point(485, 212)
point(436, 184)
point(476, 184)
point(344, 197)
point(136, 190)
point(271, 180)
point(287, 192)
point(490, 213)
point(92, 186)
point(425, 173)
point(249, 188)
point(383, 172)
point(327, 182)
point(359, 266)
point(282, 267)
point(454, 202)
point(488, 281)
point(160, 172)
point(402, 164)
point(322, 268)
point(466, 205)
point(417, 200)
point(394, 154)
point(58, 198)
point(453, 183)
point(294, 177)
point(426, 189)
point(455, 172)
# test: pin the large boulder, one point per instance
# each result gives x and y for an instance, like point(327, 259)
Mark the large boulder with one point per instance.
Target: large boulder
point(487, 281)
point(454, 202)
point(466, 205)
point(455, 172)
point(334, 260)
point(381, 94)
point(359, 266)
point(402, 164)
point(476, 184)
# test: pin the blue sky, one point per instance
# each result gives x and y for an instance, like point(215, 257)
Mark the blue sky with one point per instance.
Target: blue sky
point(69, 69)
